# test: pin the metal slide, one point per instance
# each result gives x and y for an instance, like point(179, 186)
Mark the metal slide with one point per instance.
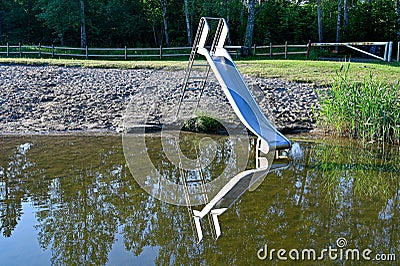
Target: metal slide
point(269, 140)
point(234, 86)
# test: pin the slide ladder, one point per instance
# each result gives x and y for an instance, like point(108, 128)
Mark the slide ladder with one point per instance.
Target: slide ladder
point(194, 82)
point(196, 182)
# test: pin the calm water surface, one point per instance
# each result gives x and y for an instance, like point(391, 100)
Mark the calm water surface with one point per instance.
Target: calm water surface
point(71, 200)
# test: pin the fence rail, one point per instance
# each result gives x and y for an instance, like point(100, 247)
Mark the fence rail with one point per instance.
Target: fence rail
point(92, 52)
point(268, 50)
point(168, 52)
point(132, 53)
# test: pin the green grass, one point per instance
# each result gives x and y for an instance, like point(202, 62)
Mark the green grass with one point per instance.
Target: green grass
point(369, 110)
point(319, 73)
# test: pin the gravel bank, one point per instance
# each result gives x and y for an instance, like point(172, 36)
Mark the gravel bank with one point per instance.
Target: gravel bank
point(50, 99)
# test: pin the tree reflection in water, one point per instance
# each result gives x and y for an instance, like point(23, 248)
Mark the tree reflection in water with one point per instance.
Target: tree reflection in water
point(84, 197)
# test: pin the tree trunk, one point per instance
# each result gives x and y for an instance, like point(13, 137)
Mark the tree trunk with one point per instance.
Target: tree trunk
point(164, 14)
point(155, 35)
point(83, 23)
point(1, 25)
point(320, 37)
point(346, 16)
point(398, 20)
point(228, 20)
point(250, 25)
point(338, 25)
point(189, 36)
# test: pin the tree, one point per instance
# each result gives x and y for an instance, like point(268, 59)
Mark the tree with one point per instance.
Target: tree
point(164, 14)
point(83, 23)
point(18, 22)
point(144, 23)
point(398, 20)
point(188, 23)
point(346, 15)
point(60, 16)
point(319, 11)
point(1, 26)
point(153, 14)
point(250, 24)
point(338, 25)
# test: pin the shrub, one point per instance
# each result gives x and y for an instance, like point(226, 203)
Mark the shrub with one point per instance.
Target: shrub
point(204, 124)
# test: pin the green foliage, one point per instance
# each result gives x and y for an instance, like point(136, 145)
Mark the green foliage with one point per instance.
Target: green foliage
point(139, 23)
point(280, 21)
point(373, 21)
point(204, 124)
point(62, 17)
point(18, 22)
point(369, 110)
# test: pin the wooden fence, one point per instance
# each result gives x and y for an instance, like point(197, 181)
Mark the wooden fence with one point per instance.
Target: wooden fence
point(163, 52)
point(132, 53)
point(282, 49)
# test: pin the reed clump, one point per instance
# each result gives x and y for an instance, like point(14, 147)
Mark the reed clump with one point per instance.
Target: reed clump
point(369, 110)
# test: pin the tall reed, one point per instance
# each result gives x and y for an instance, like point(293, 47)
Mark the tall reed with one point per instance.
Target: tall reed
point(369, 110)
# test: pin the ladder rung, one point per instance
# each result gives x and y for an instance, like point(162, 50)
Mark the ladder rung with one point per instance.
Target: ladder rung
point(190, 101)
point(197, 77)
point(203, 65)
point(198, 193)
point(193, 181)
point(193, 89)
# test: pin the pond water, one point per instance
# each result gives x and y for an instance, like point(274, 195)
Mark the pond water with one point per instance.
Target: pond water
point(72, 200)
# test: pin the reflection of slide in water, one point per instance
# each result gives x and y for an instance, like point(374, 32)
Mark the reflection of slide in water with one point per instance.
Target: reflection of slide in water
point(269, 142)
point(231, 192)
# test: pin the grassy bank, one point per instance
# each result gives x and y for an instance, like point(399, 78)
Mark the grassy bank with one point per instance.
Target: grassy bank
point(320, 73)
point(369, 110)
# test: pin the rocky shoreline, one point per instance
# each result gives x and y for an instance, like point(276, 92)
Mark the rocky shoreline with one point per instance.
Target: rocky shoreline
point(52, 99)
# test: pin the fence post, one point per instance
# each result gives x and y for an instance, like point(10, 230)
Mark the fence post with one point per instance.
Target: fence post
point(270, 49)
point(20, 52)
point(126, 54)
point(40, 54)
point(386, 52)
point(160, 51)
point(8, 50)
point(308, 49)
point(390, 51)
point(286, 50)
point(254, 49)
point(87, 52)
point(52, 50)
point(398, 52)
